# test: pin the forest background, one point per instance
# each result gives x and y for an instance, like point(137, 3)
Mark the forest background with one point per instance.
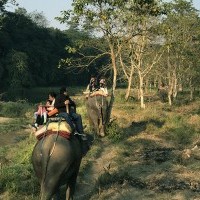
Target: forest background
point(166, 50)
point(149, 53)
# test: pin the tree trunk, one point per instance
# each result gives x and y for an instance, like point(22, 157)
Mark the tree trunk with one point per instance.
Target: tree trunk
point(180, 87)
point(170, 99)
point(191, 91)
point(146, 87)
point(191, 94)
point(129, 84)
point(141, 89)
point(128, 89)
point(170, 90)
point(112, 99)
point(170, 78)
point(156, 82)
point(175, 91)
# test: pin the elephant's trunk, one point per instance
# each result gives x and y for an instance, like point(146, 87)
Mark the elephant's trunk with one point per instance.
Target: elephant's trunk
point(101, 127)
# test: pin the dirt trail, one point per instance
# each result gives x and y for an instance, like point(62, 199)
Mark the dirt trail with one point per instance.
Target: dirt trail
point(5, 119)
point(103, 163)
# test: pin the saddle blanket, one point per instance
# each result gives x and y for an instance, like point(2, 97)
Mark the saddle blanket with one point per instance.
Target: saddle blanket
point(60, 128)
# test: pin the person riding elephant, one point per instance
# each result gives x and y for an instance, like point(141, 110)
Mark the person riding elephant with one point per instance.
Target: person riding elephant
point(52, 98)
point(103, 86)
point(93, 86)
point(67, 109)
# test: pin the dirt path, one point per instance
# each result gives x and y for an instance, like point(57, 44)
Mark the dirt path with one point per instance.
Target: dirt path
point(105, 162)
point(5, 119)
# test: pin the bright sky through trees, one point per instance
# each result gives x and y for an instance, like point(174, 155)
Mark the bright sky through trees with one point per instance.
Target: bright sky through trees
point(52, 8)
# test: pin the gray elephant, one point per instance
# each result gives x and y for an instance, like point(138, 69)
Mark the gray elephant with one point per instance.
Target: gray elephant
point(97, 113)
point(56, 161)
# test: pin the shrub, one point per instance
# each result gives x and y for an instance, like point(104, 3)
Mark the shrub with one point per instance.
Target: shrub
point(10, 176)
point(37, 94)
point(16, 173)
point(114, 132)
point(107, 179)
point(14, 109)
point(181, 135)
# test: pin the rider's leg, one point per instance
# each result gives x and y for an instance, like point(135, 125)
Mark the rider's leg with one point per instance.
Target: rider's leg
point(67, 119)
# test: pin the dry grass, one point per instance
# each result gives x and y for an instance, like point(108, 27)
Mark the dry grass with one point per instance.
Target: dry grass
point(149, 155)
point(147, 162)
point(5, 119)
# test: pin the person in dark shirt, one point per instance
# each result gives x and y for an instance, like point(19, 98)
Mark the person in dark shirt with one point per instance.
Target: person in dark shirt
point(67, 109)
point(93, 84)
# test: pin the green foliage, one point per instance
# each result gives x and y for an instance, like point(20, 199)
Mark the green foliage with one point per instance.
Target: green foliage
point(120, 96)
point(14, 109)
point(177, 130)
point(18, 68)
point(181, 136)
point(114, 132)
point(128, 155)
point(17, 175)
point(33, 95)
point(9, 177)
point(107, 179)
point(12, 126)
point(39, 94)
point(30, 53)
point(3, 4)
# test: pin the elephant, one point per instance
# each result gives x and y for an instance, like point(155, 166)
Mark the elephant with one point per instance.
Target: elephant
point(56, 161)
point(97, 106)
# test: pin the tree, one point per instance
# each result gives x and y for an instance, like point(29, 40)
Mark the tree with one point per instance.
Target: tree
point(39, 19)
point(102, 18)
point(18, 68)
point(179, 30)
point(3, 5)
point(144, 49)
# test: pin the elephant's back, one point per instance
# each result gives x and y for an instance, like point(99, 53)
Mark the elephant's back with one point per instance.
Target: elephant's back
point(58, 148)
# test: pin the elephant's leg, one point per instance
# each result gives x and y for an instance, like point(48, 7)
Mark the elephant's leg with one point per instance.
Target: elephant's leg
point(46, 194)
point(70, 190)
point(102, 130)
point(57, 195)
point(101, 127)
point(93, 121)
point(69, 195)
point(49, 187)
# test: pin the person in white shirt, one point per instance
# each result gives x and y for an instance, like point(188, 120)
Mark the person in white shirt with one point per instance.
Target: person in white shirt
point(102, 86)
point(52, 97)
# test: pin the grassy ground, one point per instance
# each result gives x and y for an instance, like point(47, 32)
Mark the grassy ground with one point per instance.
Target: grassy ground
point(147, 154)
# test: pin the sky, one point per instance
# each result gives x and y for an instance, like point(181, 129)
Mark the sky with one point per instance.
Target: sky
point(52, 8)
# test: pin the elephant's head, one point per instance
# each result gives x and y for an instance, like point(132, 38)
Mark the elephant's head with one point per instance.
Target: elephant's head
point(97, 111)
